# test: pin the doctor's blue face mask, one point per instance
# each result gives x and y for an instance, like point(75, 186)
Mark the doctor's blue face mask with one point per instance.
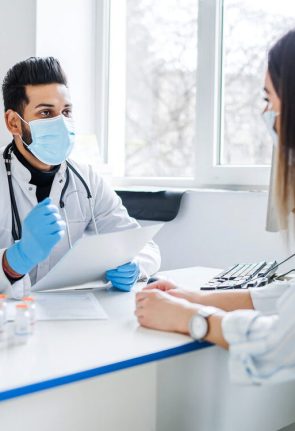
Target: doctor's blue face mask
point(52, 139)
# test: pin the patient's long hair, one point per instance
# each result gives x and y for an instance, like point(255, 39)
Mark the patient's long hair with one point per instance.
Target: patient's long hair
point(281, 67)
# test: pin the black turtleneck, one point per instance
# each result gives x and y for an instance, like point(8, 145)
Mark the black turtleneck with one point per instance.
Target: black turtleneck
point(43, 180)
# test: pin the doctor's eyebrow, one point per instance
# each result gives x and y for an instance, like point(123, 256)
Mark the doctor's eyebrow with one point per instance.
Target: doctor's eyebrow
point(49, 105)
point(266, 90)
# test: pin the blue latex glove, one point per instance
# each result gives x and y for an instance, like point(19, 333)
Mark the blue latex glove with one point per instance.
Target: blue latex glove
point(124, 277)
point(41, 231)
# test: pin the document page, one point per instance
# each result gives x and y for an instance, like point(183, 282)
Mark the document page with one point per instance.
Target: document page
point(64, 306)
point(91, 256)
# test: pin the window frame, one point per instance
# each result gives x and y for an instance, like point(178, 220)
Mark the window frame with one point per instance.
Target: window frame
point(208, 173)
point(102, 62)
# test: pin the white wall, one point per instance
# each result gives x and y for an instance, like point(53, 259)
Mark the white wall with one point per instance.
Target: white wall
point(17, 41)
point(66, 30)
point(218, 228)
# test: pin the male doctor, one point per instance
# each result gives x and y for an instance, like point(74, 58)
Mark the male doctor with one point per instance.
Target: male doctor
point(47, 201)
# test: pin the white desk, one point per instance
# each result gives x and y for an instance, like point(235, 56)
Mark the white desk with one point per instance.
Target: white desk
point(123, 377)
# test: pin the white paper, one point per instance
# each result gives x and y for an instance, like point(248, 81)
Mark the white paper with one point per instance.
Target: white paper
point(93, 286)
point(91, 256)
point(64, 306)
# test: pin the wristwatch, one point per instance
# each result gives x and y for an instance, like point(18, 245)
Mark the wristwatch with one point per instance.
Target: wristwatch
point(198, 325)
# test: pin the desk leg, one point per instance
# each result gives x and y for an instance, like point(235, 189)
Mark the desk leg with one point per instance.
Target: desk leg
point(120, 401)
point(195, 394)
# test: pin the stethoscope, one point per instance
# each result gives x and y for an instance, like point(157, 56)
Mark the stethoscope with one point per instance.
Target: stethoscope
point(16, 223)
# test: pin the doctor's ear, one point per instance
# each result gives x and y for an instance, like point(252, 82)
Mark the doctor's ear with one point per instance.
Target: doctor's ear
point(13, 122)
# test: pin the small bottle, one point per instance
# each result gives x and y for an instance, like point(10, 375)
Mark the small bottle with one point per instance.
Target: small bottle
point(22, 324)
point(30, 302)
point(4, 306)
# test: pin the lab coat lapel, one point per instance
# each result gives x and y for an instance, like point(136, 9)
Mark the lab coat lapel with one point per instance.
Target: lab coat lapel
point(58, 184)
point(22, 176)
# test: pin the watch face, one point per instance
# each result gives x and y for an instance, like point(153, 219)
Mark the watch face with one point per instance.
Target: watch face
point(199, 327)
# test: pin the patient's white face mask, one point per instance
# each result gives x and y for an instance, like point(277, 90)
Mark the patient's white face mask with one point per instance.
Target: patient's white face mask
point(270, 121)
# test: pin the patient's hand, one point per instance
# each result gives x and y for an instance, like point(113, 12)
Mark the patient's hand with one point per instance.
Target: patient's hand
point(173, 290)
point(163, 285)
point(157, 310)
point(189, 295)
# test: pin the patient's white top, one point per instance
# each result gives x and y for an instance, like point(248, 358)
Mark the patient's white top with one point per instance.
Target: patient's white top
point(262, 341)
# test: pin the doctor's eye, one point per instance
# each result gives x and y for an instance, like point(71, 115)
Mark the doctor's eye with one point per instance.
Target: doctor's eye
point(67, 112)
point(45, 113)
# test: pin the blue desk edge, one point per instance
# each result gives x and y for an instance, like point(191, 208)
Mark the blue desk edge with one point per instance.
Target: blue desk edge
point(105, 369)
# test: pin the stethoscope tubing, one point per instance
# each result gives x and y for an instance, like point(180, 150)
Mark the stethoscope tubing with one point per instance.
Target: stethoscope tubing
point(16, 233)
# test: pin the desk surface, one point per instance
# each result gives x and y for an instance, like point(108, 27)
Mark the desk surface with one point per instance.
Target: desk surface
point(68, 351)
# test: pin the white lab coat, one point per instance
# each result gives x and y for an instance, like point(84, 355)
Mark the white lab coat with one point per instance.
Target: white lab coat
point(110, 215)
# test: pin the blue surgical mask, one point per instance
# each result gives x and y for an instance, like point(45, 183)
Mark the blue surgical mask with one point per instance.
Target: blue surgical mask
point(270, 121)
point(52, 139)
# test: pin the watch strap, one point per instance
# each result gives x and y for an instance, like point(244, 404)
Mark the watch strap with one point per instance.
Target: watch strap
point(207, 311)
point(204, 313)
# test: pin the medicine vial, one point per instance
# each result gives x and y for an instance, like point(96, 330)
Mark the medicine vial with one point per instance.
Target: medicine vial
point(22, 328)
point(30, 302)
point(4, 306)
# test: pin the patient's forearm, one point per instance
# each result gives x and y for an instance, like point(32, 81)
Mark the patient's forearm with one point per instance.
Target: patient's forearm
point(215, 334)
point(228, 301)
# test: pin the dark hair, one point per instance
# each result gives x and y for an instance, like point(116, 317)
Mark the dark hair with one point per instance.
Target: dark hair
point(281, 67)
point(33, 71)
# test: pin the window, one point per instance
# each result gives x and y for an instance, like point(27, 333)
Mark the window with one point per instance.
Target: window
point(170, 89)
point(186, 80)
point(160, 87)
point(250, 27)
point(158, 114)
point(233, 144)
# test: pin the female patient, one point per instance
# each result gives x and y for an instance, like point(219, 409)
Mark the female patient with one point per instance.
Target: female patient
point(260, 334)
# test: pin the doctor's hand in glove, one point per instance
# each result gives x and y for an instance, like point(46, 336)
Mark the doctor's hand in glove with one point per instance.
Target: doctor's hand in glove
point(42, 229)
point(124, 277)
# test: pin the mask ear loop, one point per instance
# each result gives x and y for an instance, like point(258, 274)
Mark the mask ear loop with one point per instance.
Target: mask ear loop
point(22, 118)
point(25, 144)
point(17, 134)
